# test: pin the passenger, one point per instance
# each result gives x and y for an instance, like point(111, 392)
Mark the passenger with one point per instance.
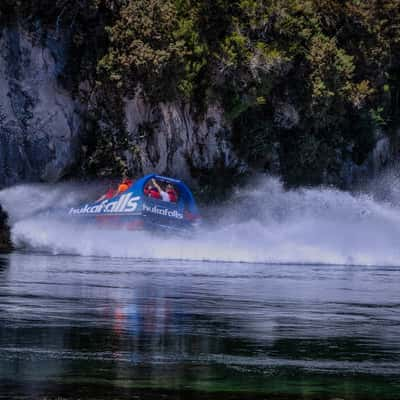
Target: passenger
point(124, 185)
point(151, 191)
point(173, 197)
point(129, 182)
point(164, 195)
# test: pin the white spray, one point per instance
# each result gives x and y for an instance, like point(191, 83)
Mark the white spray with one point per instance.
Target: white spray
point(261, 223)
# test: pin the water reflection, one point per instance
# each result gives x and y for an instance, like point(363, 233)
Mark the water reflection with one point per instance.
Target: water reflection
point(73, 326)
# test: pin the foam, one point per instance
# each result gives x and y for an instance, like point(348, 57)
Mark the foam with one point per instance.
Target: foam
point(260, 223)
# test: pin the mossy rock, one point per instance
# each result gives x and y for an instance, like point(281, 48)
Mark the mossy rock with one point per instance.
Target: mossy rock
point(5, 235)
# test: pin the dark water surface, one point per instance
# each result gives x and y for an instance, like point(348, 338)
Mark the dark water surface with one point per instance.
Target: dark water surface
point(123, 328)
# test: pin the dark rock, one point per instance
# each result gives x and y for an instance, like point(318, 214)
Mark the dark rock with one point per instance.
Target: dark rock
point(5, 236)
point(39, 119)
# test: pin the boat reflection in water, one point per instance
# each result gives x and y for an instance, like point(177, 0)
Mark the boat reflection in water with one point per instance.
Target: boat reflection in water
point(75, 326)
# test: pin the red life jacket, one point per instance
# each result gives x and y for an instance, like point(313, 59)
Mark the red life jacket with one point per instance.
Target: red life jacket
point(172, 196)
point(155, 194)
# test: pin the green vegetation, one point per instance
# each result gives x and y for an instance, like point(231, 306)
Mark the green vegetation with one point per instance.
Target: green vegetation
point(305, 82)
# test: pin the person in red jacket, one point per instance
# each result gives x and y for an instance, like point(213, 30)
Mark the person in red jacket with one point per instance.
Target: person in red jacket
point(173, 197)
point(124, 185)
point(163, 194)
point(154, 193)
point(151, 191)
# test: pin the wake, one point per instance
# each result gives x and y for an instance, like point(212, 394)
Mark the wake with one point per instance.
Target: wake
point(261, 223)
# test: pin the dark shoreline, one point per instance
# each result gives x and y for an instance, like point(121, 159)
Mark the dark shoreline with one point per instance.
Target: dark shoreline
point(5, 235)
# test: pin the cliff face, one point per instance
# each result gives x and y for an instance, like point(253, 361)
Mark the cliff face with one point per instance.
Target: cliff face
point(42, 125)
point(39, 120)
point(170, 139)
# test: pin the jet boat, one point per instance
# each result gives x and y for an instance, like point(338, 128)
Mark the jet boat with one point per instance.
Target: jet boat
point(153, 202)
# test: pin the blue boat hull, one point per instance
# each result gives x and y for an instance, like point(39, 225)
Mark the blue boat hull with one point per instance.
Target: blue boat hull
point(134, 210)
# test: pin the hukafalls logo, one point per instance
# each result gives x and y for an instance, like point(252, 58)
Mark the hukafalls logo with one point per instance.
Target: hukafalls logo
point(162, 211)
point(125, 204)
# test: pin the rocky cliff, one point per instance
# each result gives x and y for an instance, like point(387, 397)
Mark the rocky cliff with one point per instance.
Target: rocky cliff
point(172, 141)
point(43, 126)
point(40, 122)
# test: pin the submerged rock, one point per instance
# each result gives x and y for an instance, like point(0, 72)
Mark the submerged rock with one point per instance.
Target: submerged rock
point(5, 236)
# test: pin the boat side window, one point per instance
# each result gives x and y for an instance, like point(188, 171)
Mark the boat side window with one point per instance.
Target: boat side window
point(160, 190)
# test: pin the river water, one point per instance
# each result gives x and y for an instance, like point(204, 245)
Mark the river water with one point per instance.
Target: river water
point(283, 295)
point(80, 326)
